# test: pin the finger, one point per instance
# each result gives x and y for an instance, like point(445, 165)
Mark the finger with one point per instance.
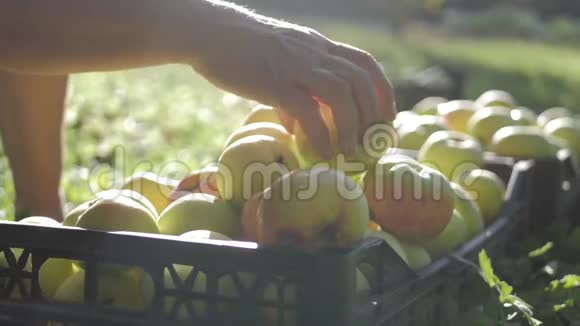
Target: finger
point(383, 87)
point(362, 88)
point(287, 120)
point(337, 94)
point(305, 111)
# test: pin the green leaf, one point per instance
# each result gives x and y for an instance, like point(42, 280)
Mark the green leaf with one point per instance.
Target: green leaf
point(541, 251)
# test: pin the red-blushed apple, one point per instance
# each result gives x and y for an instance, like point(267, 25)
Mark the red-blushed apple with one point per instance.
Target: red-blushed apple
point(262, 113)
point(454, 234)
point(428, 105)
point(414, 133)
point(378, 140)
point(469, 210)
point(199, 181)
point(451, 153)
point(486, 189)
point(456, 113)
point(496, 97)
point(553, 113)
point(153, 187)
point(200, 212)
point(522, 142)
point(250, 165)
point(418, 257)
point(486, 121)
point(408, 199)
point(312, 208)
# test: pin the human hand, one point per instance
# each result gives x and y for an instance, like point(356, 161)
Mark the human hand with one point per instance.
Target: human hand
point(292, 68)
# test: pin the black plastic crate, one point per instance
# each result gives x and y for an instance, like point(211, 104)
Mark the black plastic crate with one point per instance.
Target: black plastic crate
point(302, 287)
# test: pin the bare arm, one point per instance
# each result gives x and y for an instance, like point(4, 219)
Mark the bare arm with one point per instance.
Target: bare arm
point(284, 65)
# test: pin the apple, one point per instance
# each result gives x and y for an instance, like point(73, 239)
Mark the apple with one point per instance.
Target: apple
point(250, 165)
point(52, 273)
point(428, 105)
point(454, 234)
point(73, 216)
point(200, 212)
point(418, 257)
point(451, 153)
point(262, 113)
point(153, 187)
point(379, 142)
point(524, 116)
point(199, 181)
point(486, 189)
point(315, 207)
point(522, 142)
point(373, 226)
point(456, 113)
point(404, 117)
point(119, 213)
point(250, 218)
point(553, 113)
point(414, 133)
point(469, 210)
point(260, 128)
point(485, 122)
point(408, 199)
point(496, 97)
point(566, 130)
point(391, 241)
point(115, 288)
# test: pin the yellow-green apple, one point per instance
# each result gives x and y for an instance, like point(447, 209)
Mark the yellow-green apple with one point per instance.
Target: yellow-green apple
point(73, 216)
point(486, 189)
point(199, 181)
point(250, 165)
point(469, 210)
point(314, 207)
point(496, 97)
point(551, 114)
point(566, 130)
point(115, 288)
point(378, 139)
point(456, 113)
point(524, 116)
point(454, 234)
point(260, 128)
point(200, 212)
point(522, 142)
point(52, 273)
point(153, 187)
point(404, 117)
point(262, 113)
point(391, 241)
point(408, 199)
point(451, 152)
point(486, 121)
point(428, 105)
point(118, 213)
point(413, 133)
point(418, 256)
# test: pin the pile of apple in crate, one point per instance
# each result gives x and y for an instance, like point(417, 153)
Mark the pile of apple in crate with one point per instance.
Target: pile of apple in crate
point(270, 187)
